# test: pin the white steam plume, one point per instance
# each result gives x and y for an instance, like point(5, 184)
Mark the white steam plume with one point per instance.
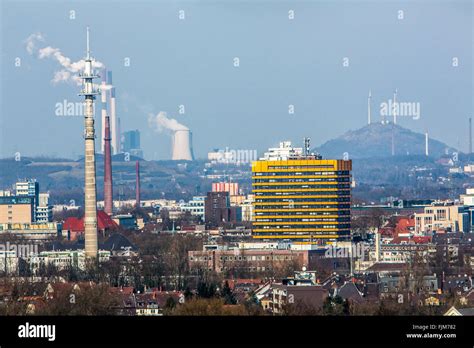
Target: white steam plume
point(31, 42)
point(69, 70)
point(106, 87)
point(161, 122)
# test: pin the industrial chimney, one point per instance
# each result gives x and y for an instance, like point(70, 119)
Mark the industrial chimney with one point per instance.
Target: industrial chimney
point(137, 184)
point(108, 200)
point(182, 145)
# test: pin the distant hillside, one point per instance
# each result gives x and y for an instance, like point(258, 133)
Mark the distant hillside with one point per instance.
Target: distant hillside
point(64, 178)
point(375, 140)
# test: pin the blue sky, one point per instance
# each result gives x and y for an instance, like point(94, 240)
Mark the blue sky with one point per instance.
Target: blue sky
point(283, 61)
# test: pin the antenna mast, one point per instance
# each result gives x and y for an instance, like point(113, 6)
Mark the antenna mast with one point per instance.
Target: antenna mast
point(306, 146)
point(88, 46)
point(368, 107)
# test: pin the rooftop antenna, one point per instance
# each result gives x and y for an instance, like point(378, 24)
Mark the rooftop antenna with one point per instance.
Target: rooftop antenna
point(306, 146)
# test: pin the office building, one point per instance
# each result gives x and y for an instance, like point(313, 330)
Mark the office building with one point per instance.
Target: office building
point(41, 210)
point(131, 143)
point(195, 206)
point(443, 215)
point(29, 188)
point(218, 211)
point(250, 260)
point(231, 187)
point(44, 211)
point(32, 231)
point(247, 208)
point(63, 259)
point(300, 197)
point(17, 210)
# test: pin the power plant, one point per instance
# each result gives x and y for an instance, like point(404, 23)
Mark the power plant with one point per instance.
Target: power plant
point(181, 136)
point(103, 99)
point(109, 108)
point(108, 187)
point(182, 145)
point(90, 205)
point(114, 120)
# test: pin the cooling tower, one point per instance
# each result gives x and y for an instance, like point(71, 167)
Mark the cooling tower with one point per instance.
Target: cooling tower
point(182, 145)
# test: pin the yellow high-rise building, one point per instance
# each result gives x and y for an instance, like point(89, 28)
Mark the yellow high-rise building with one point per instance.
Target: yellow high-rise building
point(301, 198)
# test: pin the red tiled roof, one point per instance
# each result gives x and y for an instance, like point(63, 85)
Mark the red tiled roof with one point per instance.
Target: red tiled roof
point(387, 231)
point(238, 281)
point(422, 239)
point(404, 225)
point(104, 221)
point(73, 224)
point(413, 240)
point(162, 297)
point(405, 222)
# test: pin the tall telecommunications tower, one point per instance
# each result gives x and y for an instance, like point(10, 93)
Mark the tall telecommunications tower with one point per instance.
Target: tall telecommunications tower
point(90, 206)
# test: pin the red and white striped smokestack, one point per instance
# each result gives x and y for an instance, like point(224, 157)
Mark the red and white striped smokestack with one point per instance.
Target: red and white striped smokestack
point(137, 187)
point(108, 200)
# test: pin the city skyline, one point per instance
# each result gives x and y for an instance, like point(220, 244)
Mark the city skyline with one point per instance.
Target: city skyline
point(226, 161)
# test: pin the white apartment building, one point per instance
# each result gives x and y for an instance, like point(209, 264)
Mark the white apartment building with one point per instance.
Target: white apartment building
point(441, 216)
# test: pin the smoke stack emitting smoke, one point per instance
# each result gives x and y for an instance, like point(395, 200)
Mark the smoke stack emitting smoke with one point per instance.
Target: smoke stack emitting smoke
point(70, 73)
point(181, 135)
point(69, 70)
point(161, 122)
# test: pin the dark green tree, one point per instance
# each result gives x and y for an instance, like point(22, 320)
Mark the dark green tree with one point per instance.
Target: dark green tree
point(206, 290)
point(227, 294)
